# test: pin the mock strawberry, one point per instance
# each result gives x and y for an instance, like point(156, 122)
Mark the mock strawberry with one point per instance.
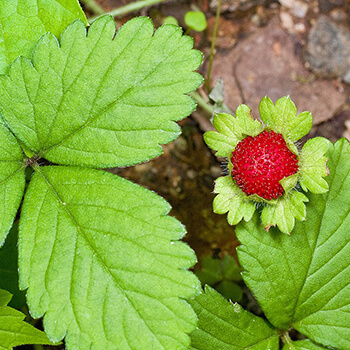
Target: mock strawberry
point(265, 164)
point(260, 162)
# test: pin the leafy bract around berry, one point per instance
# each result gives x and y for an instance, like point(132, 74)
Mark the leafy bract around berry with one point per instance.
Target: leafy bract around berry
point(265, 164)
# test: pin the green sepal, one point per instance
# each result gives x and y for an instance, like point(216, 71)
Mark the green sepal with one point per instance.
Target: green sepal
point(288, 208)
point(282, 118)
point(288, 183)
point(231, 130)
point(313, 165)
point(231, 199)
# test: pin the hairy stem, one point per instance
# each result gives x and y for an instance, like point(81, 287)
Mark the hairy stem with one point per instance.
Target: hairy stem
point(285, 337)
point(134, 6)
point(212, 47)
point(202, 103)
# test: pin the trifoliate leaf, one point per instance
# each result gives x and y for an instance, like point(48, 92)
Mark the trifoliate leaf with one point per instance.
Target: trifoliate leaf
point(313, 169)
point(12, 180)
point(232, 200)
point(101, 261)
point(13, 330)
point(9, 269)
point(225, 326)
point(230, 130)
point(101, 99)
point(282, 117)
point(23, 22)
point(283, 214)
point(302, 280)
point(303, 345)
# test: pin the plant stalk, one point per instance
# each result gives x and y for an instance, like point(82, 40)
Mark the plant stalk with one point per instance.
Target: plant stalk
point(134, 6)
point(212, 47)
point(202, 103)
point(93, 6)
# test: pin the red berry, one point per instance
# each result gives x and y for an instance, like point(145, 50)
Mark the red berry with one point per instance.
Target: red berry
point(260, 162)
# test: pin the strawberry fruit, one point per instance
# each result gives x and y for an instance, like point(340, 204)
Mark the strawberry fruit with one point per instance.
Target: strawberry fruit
point(261, 162)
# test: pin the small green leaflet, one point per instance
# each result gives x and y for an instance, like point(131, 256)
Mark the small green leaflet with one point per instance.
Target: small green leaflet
point(302, 280)
point(101, 260)
point(12, 180)
point(227, 326)
point(13, 330)
point(283, 118)
point(102, 99)
point(23, 22)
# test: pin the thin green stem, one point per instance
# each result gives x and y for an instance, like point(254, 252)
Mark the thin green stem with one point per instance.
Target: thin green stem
point(134, 6)
point(212, 47)
point(285, 337)
point(202, 103)
point(93, 6)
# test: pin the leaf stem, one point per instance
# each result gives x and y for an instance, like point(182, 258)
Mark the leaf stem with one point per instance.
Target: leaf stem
point(212, 47)
point(285, 337)
point(134, 6)
point(93, 6)
point(202, 103)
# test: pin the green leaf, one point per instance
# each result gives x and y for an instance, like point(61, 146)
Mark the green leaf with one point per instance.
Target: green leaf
point(230, 290)
point(283, 214)
point(210, 272)
point(100, 99)
point(13, 330)
point(313, 169)
point(231, 199)
point(283, 118)
point(101, 261)
point(12, 180)
point(214, 270)
point(5, 297)
point(231, 130)
point(302, 280)
point(196, 20)
point(23, 22)
point(229, 327)
point(230, 269)
point(303, 345)
point(9, 269)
